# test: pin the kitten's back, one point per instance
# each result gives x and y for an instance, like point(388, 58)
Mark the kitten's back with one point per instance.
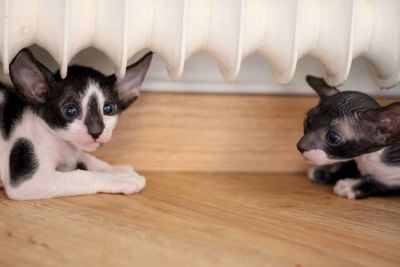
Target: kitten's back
point(11, 109)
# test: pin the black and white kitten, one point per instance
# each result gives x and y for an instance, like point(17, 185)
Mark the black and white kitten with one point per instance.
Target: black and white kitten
point(48, 123)
point(356, 142)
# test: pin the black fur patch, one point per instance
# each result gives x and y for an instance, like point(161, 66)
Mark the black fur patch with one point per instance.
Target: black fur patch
point(78, 77)
point(391, 155)
point(23, 161)
point(93, 119)
point(370, 187)
point(330, 174)
point(81, 166)
point(10, 111)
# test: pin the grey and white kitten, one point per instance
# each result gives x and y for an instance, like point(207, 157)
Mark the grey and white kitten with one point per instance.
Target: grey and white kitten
point(48, 124)
point(354, 140)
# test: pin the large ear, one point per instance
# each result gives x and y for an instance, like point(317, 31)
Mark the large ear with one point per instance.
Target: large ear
point(30, 78)
point(386, 122)
point(320, 86)
point(128, 87)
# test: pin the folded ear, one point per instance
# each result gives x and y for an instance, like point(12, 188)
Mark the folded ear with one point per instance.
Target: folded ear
point(128, 87)
point(320, 86)
point(30, 78)
point(386, 123)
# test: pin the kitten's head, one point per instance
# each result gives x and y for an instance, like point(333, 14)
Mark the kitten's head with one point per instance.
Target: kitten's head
point(83, 108)
point(345, 125)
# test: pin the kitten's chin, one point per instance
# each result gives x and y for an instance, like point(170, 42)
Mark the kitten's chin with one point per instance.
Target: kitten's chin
point(92, 147)
point(318, 157)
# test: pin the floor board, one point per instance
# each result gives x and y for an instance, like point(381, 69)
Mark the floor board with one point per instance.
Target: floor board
point(194, 219)
point(210, 132)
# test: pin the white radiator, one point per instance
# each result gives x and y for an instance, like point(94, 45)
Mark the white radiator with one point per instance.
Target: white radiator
point(282, 31)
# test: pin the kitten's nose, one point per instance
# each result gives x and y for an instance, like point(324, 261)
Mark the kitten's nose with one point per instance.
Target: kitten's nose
point(95, 134)
point(95, 128)
point(93, 119)
point(301, 146)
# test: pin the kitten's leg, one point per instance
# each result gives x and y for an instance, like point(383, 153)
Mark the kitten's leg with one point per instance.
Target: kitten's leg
point(58, 184)
point(91, 163)
point(330, 174)
point(363, 188)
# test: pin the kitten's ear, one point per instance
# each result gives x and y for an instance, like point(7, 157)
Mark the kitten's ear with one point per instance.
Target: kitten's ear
point(128, 87)
point(320, 86)
point(30, 78)
point(386, 122)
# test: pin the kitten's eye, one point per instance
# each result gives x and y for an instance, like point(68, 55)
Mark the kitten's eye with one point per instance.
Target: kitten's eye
point(333, 138)
point(307, 122)
point(109, 109)
point(71, 111)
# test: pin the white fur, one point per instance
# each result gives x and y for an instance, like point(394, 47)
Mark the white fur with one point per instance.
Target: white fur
point(344, 188)
point(310, 173)
point(371, 164)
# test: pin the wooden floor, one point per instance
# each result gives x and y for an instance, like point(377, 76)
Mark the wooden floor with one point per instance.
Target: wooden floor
point(188, 219)
point(226, 187)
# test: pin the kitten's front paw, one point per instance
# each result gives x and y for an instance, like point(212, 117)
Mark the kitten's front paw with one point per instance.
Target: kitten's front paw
point(345, 188)
point(140, 182)
point(320, 174)
point(310, 174)
point(132, 184)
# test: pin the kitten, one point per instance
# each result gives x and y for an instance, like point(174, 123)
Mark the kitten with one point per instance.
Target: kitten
point(48, 123)
point(354, 140)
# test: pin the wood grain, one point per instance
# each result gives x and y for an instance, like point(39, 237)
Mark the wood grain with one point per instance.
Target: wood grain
point(188, 219)
point(187, 132)
point(202, 132)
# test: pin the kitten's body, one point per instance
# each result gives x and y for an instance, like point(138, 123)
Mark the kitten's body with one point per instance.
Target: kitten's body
point(42, 147)
point(355, 142)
